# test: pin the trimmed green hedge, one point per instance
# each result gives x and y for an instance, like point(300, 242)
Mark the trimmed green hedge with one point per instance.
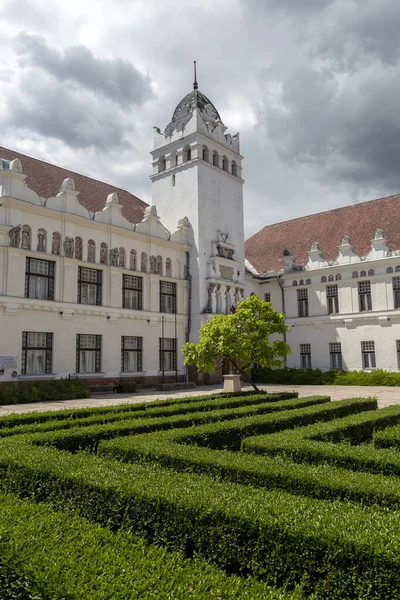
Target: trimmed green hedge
point(318, 443)
point(42, 391)
point(317, 377)
point(93, 563)
point(347, 551)
point(145, 410)
point(389, 438)
point(89, 437)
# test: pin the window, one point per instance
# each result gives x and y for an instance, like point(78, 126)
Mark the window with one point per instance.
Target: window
point(364, 295)
point(215, 159)
point(41, 240)
point(302, 302)
point(167, 354)
point(133, 259)
point(167, 297)
point(333, 299)
point(131, 353)
point(267, 297)
point(36, 353)
point(396, 291)
point(398, 353)
point(89, 286)
point(187, 153)
point(224, 163)
point(162, 165)
point(335, 353)
point(132, 295)
point(368, 355)
point(88, 353)
point(206, 154)
point(234, 168)
point(305, 356)
point(39, 279)
point(173, 180)
point(168, 267)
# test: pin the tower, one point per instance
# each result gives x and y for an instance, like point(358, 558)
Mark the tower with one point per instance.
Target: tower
point(197, 173)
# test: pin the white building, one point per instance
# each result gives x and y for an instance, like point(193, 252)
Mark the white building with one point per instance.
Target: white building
point(93, 282)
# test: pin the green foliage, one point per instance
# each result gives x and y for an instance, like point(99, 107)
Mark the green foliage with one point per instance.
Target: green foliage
point(34, 565)
point(243, 338)
point(42, 391)
point(317, 377)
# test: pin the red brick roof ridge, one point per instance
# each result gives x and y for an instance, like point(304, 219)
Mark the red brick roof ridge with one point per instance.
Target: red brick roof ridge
point(264, 249)
point(45, 179)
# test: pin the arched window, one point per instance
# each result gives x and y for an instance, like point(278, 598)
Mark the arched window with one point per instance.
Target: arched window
point(308, 281)
point(26, 237)
point(215, 159)
point(91, 251)
point(187, 153)
point(122, 255)
point(224, 163)
point(371, 272)
point(330, 278)
point(389, 270)
point(159, 265)
point(78, 248)
point(143, 262)
point(234, 168)
point(354, 274)
point(162, 165)
point(294, 282)
point(323, 279)
point(168, 267)
point(41, 240)
point(338, 277)
point(301, 282)
point(398, 269)
point(133, 259)
point(363, 274)
point(206, 154)
point(56, 243)
point(103, 253)
point(176, 160)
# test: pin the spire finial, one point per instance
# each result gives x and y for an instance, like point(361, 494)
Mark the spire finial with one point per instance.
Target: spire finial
point(195, 86)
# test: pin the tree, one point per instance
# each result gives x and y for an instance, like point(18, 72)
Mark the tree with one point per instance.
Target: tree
point(242, 337)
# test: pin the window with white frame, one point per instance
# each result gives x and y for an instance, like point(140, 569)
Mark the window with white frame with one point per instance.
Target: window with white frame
point(368, 355)
point(167, 297)
point(167, 354)
point(131, 353)
point(36, 353)
point(396, 291)
point(305, 356)
point(302, 302)
point(39, 279)
point(88, 353)
point(89, 286)
point(132, 294)
point(335, 354)
point(364, 295)
point(333, 299)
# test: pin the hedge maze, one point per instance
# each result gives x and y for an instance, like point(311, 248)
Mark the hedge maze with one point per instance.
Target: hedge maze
point(262, 497)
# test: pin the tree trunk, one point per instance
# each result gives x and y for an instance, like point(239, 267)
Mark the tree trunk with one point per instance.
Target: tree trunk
point(244, 374)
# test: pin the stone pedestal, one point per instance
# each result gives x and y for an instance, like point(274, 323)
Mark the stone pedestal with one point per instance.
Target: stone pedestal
point(232, 383)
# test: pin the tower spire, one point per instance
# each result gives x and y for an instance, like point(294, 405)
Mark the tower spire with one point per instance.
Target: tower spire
point(195, 86)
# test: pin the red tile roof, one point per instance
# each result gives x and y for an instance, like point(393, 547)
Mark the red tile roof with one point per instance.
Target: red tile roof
point(359, 221)
point(45, 179)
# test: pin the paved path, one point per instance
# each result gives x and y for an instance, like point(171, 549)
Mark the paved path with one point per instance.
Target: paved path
point(385, 396)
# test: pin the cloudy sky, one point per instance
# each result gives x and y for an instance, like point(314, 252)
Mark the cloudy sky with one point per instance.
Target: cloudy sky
point(313, 86)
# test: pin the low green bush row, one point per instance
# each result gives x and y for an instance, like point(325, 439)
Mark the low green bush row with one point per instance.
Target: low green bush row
point(318, 443)
point(14, 420)
point(317, 377)
point(389, 438)
point(229, 435)
point(89, 437)
point(322, 481)
point(93, 563)
point(41, 391)
point(147, 410)
point(347, 551)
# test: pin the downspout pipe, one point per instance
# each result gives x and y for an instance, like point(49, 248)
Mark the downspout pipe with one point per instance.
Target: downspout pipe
point(189, 307)
point(279, 278)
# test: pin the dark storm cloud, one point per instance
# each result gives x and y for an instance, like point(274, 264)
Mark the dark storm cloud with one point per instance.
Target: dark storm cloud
point(48, 108)
point(114, 78)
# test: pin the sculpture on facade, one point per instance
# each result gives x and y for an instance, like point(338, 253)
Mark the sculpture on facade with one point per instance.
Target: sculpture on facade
point(345, 240)
point(379, 234)
point(143, 262)
point(114, 257)
point(69, 247)
point(103, 253)
point(15, 236)
point(26, 237)
point(56, 243)
point(153, 264)
point(78, 248)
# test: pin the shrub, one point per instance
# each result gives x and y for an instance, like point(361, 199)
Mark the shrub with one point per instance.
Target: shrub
point(317, 377)
point(41, 391)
